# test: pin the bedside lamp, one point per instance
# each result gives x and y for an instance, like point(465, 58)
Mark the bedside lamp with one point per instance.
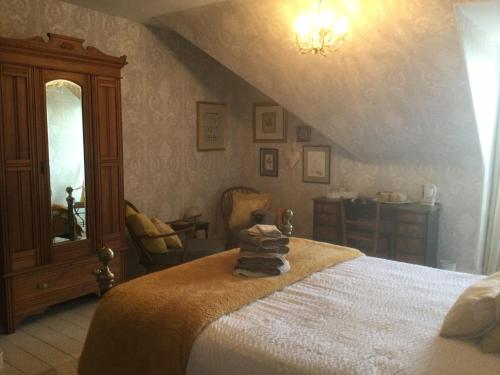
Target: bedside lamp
point(192, 212)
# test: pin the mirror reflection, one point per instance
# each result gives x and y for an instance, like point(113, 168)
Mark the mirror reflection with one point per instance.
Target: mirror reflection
point(67, 161)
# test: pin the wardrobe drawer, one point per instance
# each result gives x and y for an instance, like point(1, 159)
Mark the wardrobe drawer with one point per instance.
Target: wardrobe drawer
point(45, 283)
point(412, 230)
point(49, 284)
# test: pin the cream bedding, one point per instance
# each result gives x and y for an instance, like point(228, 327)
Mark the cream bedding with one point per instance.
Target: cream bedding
point(365, 316)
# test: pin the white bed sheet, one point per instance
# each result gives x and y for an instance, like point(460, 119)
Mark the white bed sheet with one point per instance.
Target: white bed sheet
point(366, 316)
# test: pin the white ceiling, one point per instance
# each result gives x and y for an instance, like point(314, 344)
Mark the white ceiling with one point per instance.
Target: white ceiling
point(486, 16)
point(143, 11)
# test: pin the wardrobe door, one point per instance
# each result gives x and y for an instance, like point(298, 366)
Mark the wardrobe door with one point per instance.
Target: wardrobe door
point(107, 112)
point(68, 132)
point(19, 169)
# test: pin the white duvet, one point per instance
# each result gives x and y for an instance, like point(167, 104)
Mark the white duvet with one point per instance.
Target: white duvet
point(366, 316)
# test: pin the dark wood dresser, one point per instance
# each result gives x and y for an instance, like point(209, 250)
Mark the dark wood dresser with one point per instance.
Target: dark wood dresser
point(414, 228)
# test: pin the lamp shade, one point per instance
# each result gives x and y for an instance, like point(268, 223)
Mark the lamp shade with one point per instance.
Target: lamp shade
point(192, 211)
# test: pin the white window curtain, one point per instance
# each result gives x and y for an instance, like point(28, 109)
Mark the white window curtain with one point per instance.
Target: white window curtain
point(492, 248)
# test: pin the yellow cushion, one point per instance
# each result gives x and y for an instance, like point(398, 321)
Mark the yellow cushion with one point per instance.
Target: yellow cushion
point(129, 212)
point(475, 312)
point(173, 242)
point(491, 341)
point(142, 225)
point(244, 205)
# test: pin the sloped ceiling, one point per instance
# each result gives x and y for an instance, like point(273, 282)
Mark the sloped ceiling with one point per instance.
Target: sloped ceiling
point(397, 90)
point(143, 11)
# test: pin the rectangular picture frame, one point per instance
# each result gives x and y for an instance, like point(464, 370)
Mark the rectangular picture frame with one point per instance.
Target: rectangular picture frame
point(211, 126)
point(269, 123)
point(269, 162)
point(303, 133)
point(316, 162)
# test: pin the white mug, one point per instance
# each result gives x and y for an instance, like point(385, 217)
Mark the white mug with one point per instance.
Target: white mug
point(429, 192)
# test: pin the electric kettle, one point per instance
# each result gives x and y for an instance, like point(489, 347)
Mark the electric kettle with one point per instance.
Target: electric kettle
point(429, 192)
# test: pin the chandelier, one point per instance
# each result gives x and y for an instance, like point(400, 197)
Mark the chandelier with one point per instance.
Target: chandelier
point(320, 31)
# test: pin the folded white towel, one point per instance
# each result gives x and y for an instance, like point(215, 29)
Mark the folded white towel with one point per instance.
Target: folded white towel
point(264, 230)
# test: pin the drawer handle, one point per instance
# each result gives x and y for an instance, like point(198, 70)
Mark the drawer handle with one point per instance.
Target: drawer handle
point(43, 286)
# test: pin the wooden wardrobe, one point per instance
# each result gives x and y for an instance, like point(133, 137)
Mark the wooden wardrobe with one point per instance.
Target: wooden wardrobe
point(60, 126)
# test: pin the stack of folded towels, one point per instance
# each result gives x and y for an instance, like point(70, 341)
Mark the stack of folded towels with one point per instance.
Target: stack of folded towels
point(263, 250)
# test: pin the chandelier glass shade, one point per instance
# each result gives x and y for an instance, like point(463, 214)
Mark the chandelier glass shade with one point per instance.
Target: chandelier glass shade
point(320, 31)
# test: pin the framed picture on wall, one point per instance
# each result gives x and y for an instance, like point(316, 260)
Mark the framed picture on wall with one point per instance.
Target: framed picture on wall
point(269, 123)
point(303, 133)
point(211, 126)
point(269, 162)
point(316, 164)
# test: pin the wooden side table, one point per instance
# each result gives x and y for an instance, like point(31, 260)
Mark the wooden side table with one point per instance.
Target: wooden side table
point(198, 225)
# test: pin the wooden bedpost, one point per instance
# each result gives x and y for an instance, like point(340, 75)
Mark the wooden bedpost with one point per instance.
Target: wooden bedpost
point(105, 278)
point(287, 226)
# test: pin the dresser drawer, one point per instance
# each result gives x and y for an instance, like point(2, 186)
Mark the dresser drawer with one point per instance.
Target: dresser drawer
point(327, 208)
point(327, 234)
point(412, 230)
point(410, 258)
point(410, 245)
point(326, 219)
point(410, 217)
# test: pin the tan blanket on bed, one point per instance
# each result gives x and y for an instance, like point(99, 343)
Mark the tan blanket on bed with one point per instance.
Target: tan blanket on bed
point(148, 325)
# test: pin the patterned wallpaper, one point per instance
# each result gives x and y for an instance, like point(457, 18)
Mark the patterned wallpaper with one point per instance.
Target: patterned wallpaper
point(400, 104)
point(164, 78)
point(396, 96)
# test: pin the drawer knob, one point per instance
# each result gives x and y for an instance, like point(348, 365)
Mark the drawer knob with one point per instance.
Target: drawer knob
point(43, 286)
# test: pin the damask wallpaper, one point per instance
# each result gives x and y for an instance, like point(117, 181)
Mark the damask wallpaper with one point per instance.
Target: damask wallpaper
point(396, 96)
point(164, 78)
point(394, 103)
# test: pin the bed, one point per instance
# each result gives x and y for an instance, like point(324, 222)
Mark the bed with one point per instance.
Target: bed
point(362, 316)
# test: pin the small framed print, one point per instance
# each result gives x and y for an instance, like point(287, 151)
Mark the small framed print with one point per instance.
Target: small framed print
point(303, 133)
point(316, 164)
point(269, 123)
point(211, 126)
point(269, 162)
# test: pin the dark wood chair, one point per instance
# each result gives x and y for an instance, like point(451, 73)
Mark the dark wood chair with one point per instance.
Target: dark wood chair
point(361, 225)
point(191, 248)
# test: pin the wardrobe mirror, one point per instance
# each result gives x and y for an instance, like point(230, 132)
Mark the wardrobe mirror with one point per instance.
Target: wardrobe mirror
point(66, 160)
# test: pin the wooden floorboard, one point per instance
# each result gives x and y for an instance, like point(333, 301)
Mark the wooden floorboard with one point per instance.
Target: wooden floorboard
point(20, 359)
point(50, 343)
point(51, 337)
point(9, 370)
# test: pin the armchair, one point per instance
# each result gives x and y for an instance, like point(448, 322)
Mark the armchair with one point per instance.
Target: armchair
point(190, 248)
point(226, 209)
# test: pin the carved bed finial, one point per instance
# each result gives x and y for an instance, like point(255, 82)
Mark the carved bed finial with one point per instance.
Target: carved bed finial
point(105, 278)
point(287, 227)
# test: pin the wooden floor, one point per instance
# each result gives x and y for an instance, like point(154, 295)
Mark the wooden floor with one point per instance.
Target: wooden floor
point(50, 343)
